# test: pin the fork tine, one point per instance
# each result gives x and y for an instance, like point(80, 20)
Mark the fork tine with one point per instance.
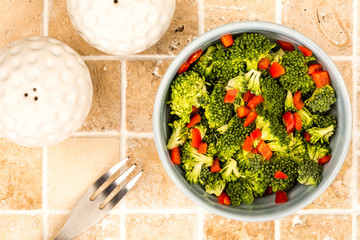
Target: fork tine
point(123, 191)
point(109, 173)
point(114, 184)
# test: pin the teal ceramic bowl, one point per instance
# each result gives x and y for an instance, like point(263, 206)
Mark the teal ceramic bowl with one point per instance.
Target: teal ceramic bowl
point(264, 208)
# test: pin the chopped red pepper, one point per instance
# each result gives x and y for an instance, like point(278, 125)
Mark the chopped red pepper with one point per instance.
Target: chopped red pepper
point(289, 122)
point(286, 46)
point(248, 144)
point(280, 175)
point(307, 52)
point(250, 118)
point(281, 197)
point(215, 167)
point(276, 70)
point(196, 138)
point(299, 104)
point(314, 68)
point(230, 96)
point(268, 191)
point(202, 148)
point(255, 134)
point(297, 120)
point(194, 120)
point(224, 199)
point(264, 150)
point(195, 56)
point(307, 136)
point(321, 78)
point(227, 40)
point(184, 67)
point(175, 155)
point(194, 110)
point(264, 64)
point(248, 96)
point(324, 160)
point(243, 111)
point(255, 150)
point(255, 101)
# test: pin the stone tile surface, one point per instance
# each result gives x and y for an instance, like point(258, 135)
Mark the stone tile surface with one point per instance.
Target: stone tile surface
point(74, 165)
point(143, 79)
point(19, 20)
point(20, 177)
point(15, 227)
point(155, 189)
point(107, 228)
point(316, 227)
point(328, 23)
point(159, 227)
point(105, 110)
point(219, 228)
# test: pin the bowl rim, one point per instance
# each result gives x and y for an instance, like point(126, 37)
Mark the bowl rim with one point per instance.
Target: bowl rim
point(237, 27)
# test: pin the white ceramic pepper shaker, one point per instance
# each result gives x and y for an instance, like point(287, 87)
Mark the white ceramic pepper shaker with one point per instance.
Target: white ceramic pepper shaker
point(121, 27)
point(45, 91)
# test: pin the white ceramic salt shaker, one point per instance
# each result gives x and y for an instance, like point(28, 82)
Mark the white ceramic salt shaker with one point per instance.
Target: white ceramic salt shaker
point(45, 91)
point(121, 27)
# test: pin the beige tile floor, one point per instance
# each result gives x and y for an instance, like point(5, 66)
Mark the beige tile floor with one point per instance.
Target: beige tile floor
point(38, 187)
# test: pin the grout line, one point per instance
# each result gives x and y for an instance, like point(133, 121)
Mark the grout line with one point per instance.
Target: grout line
point(123, 134)
point(97, 134)
point(341, 58)
point(326, 212)
point(159, 211)
point(201, 14)
point(44, 194)
point(278, 13)
point(21, 212)
point(140, 134)
point(200, 216)
point(277, 226)
point(354, 169)
point(45, 17)
point(129, 57)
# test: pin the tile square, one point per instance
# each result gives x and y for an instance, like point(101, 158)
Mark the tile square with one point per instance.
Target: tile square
point(158, 227)
point(316, 227)
point(74, 165)
point(182, 30)
point(220, 12)
point(143, 79)
point(15, 227)
point(105, 110)
point(219, 228)
point(328, 23)
point(155, 189)
point(20, 19)
point(107, 228)
point(21, 177)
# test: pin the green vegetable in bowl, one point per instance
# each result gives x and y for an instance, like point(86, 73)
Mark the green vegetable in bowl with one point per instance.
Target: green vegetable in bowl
point(249, 120)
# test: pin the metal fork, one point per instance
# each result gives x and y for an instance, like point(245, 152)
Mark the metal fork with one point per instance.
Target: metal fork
point(96, 202)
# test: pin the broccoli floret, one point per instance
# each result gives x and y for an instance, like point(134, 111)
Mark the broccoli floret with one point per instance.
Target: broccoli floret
point(238, 102)
point(273, 94)
point(277, 146)
point(217, 112)
point(321, 134)
point(307, 119)
point(179, 134)
point(187, 90)
point(297, 147)
point(231, 140)
point(239, 192)
point(276, 56)
point(321, 99)
point(253, 77)
point(201, 66)
point(296, 75)
point(230, 171)
point(251, 48)
point(211, 138)
point(325, 121)
point(239, 83)
point(317, 151)
point(286, 165)
point(289, 102)
point(193, 162)
point(212, 181)
point(222, 71)
point(310, 173)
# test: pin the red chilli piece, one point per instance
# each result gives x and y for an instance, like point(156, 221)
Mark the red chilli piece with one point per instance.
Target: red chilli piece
point(215, 167)
point(194, 120)
point(307, 136)
point(255, 134)
point(321, 78)
point(248, 96)
point(230, 96)
point(281, 197)
point(307, 52)
point(250, 118)
point(289, 122)
point(276, 70)
point(324, 160)
point(195, 56)
point(299, 104)
point(255, 151)
point(195, 138)
point(255, 101)
point(280, 175)
point(243, 111)
point(175, 155)
point(202, 148)
point(224, 199)
point(183, 68)
point(315, 68)
point(227, 40)
point(247, 146)
point(298, 122)
point(286, 46)
point(268, 191)
point(264, 150)
point(264, 64)
point(194, 110)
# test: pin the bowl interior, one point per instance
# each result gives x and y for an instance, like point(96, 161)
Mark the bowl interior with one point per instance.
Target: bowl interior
point(264, 208)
